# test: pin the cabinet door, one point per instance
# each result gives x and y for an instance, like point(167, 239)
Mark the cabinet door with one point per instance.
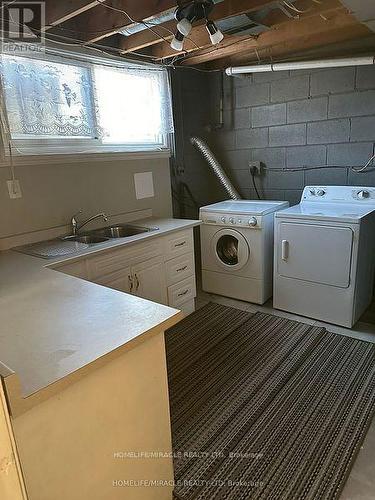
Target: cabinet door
point(149, 280)
point(120, 280)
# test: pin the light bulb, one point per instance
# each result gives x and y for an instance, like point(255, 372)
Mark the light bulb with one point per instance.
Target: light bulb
point(184, 26)
point(177, 42)
point(215, 34)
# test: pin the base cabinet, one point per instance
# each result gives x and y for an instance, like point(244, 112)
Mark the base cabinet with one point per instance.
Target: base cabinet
point(149, 280)
point(161, 269)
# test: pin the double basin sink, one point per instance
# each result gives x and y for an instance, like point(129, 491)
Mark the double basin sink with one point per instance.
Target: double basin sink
point(107, 233)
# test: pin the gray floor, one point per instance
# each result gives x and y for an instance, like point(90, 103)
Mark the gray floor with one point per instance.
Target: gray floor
point(361, 482)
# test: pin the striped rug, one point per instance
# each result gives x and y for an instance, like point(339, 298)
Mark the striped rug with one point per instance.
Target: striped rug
point(265, 408)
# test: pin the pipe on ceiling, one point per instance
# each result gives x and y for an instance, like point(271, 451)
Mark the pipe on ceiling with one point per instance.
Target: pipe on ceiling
point(291, 66)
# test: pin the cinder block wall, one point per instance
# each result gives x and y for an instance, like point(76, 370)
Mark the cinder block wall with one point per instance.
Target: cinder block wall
point(289, 119)
point(296, 119)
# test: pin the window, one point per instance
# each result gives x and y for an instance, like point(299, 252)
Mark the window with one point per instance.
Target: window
point(71, 106)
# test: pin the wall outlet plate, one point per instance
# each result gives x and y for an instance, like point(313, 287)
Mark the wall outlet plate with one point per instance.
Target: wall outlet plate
point(14, 189)
point(256, 167)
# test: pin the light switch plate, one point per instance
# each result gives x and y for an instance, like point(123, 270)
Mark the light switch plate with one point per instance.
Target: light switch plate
point(14, 189)
point(144, 185)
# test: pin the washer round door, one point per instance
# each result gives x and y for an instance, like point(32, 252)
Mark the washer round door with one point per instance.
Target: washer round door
point(230, 249)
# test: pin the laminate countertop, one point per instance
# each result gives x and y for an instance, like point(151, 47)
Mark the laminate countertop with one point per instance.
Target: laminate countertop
point(53, 325)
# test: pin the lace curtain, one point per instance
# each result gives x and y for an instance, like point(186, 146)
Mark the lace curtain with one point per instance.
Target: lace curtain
point(46, 98)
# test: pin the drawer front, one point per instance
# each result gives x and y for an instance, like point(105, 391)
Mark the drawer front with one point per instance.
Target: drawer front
point(182, 292)
point(115, 260)
point(177, 244)
point(179, 268)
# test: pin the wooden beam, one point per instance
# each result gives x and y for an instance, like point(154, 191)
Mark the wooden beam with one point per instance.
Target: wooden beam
point(297, 34)
point(59, 12)
point(346, 41)
point(274, 19)
point(222, 10)
point(102, 22)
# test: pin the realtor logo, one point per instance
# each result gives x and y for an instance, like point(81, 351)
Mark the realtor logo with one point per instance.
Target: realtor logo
point(22, 26)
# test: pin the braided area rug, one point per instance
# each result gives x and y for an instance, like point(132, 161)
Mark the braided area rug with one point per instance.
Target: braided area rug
point(265, 408)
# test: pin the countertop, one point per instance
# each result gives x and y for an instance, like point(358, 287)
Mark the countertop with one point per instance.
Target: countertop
point(53, 324)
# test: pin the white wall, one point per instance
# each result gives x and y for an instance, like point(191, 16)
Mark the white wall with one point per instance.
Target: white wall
point(52, 193)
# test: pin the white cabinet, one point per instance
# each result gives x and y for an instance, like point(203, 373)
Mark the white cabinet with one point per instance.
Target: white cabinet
point(149, 280)
point(160, 269)
point(120, 280)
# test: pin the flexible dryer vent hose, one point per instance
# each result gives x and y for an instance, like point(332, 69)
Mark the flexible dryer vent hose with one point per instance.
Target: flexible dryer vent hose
point(215, 166)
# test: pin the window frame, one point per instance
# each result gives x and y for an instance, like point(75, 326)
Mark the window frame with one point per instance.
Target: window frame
point(42, 146)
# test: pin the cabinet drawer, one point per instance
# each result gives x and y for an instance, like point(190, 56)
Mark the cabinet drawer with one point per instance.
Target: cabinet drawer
point(177, 244)
point(115, 260)
point(179, 268)
point(181, 292)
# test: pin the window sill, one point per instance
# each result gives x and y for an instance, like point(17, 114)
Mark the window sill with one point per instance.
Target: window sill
point(93, 156)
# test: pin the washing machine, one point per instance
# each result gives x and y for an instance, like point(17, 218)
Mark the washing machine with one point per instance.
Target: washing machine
point(237, 248)
point(325, 253)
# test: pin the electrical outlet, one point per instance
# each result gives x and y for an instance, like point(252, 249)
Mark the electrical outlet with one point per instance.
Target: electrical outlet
point(14, 189)
point(255, 167)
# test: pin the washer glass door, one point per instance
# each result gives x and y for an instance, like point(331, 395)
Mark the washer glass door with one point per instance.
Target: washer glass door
point(231, 249)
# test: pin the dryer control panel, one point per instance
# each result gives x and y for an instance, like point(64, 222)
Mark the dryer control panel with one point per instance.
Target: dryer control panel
point(348, 194)
point(229, 220)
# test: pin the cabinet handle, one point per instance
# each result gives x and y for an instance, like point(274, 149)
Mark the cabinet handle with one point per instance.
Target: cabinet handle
point(285, 249)
point(181, 269)
point(182, 293)
point(137, 282)
point(130, 279)
point(180, 244)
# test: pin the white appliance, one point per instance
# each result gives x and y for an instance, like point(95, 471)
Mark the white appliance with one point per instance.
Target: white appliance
point(324, 254)
point(237, 248)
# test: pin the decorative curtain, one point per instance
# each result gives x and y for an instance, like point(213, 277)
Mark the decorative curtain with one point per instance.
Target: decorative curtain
point(48, 98)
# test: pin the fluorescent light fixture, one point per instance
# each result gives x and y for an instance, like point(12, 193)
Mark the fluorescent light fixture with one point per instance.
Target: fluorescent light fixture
point(177, 42)
point(216, 35)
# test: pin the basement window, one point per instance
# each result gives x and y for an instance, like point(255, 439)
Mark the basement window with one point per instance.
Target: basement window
point(60, 105)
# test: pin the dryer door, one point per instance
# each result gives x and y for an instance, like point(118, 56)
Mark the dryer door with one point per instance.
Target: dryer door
point(316, 253)
point(230, 249)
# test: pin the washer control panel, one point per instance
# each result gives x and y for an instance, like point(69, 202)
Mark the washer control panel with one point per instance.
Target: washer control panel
point(228, 220)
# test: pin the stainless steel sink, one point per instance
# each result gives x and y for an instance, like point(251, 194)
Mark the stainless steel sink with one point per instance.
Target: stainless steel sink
point(88, 239)
point(71, 244)
point(122, 231)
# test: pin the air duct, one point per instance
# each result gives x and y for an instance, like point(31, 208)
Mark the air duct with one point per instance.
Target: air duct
point(291, 66)
point(215, 166)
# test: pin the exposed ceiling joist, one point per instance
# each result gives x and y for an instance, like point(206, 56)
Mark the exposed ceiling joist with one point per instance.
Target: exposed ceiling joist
point(222, 10)
point(59, 12)
point(287, 37)
point(274, 19)
point(102, 22)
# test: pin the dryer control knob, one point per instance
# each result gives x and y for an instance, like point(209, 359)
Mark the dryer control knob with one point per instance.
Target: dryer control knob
point(362, 195)
point(252, 221)
point(231, 220)
point(320, 192)
point(223, 219)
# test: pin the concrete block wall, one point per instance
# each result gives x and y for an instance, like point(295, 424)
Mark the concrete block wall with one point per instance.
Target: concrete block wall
point(296, 119)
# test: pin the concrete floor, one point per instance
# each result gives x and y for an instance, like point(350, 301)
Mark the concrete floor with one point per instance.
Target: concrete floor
point(361, 482)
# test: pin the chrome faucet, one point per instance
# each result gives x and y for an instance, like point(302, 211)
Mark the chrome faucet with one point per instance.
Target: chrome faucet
point(77, 227)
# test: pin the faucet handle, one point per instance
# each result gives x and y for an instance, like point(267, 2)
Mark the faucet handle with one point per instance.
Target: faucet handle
point(73, 221)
